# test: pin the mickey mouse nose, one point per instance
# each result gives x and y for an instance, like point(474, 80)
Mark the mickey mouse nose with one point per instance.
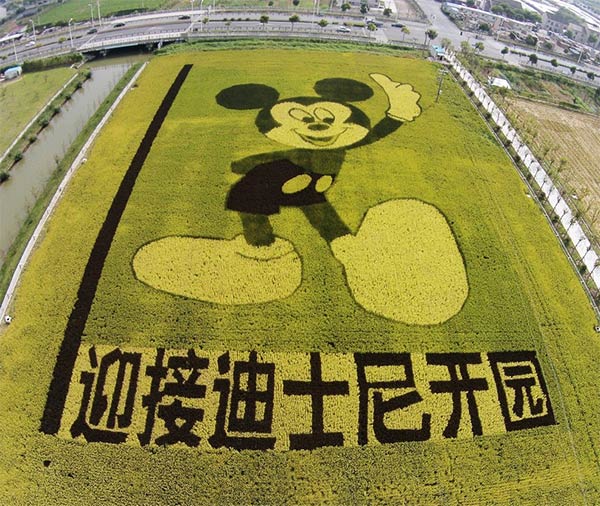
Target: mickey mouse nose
point(318, 126)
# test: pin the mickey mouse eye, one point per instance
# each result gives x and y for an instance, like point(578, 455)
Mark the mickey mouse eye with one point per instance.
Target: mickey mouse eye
point(324, 115)
point(301, 115)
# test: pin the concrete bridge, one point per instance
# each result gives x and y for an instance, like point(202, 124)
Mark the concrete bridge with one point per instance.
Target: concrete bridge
point(132, 40)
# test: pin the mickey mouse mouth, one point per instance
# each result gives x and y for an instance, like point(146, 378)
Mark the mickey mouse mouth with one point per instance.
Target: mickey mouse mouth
point(320, 140)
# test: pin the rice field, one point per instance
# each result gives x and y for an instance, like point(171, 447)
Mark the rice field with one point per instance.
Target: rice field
point(286, 278)
point(575, 138)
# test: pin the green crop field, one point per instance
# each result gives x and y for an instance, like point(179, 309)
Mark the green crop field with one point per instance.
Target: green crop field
point(293, 277)
point(20, 100)
point(79, 10)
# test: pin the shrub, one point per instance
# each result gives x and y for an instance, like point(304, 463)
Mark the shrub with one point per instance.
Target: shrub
point(4, 176)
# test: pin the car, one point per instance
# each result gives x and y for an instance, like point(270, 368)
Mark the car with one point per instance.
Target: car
point(92, 30)
point(185, 16)
point(398, 25)
point(118, 25)
point(30, 43)
point(343, 29)
point(371, 21)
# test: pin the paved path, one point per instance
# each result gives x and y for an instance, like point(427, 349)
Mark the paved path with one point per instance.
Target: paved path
point(57, 196)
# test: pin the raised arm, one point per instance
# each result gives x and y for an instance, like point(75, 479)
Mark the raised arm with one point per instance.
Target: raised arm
point(403, 107)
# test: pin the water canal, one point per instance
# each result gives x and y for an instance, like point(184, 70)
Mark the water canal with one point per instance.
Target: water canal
point(31, 174)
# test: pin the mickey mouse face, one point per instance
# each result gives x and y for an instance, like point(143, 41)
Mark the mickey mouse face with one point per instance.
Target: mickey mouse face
point(322, 125)
point(306, 122)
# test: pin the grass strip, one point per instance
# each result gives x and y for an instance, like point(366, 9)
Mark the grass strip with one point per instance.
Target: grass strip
point(30, 135)
point(16, 250)
point(277, 43)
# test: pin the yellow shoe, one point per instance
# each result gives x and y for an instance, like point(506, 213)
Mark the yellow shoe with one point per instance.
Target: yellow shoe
point(219, 270)
point(404, 263)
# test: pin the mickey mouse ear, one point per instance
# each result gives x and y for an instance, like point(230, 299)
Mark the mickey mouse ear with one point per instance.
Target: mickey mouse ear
point(247, 96)
point(343, 90)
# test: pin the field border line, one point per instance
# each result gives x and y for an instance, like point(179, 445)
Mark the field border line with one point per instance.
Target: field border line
point(86, 293)
point(58, 195)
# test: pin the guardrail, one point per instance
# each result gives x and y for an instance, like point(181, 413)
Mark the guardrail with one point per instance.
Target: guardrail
point(200, 31)
point(135, 39)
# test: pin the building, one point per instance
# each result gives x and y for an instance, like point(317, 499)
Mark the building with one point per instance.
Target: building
point(438, 52)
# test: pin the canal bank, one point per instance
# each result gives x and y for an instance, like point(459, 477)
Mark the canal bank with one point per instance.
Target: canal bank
point(45, 182)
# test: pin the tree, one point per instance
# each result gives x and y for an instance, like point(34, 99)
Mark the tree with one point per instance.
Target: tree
point(530, 40)
point(569, 34)
point(590, 76)
point(479, 46)
point(387, 12)
point(294, 19)
point(446, 43)
point(405, 31)
point(561, 164)
point(364, 8)
point(471, 3)
point(345, 7)
point(573, 69)
point(484, 27)
point(548, 46)
point(430, 34)
point(323, 23)
point(592, 39)
point(296, 3)
point(465, 47)
point(554, 62)
point(264, 19)
point(504, 51)
point(371, 27)
point(533, 59)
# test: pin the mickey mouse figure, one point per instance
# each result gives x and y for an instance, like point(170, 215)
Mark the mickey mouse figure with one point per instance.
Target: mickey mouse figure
point(257, 266)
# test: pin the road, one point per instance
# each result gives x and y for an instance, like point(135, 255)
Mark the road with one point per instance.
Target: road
point(176, 22)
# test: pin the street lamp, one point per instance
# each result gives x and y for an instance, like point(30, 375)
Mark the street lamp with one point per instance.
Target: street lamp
point(71, 33)
point(91, 6)
point(99, 16)
point(33, 27)
point(15, 50)
point(200, 13)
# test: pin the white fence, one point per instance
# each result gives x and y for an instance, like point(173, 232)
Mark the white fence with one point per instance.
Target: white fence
point(561, 208)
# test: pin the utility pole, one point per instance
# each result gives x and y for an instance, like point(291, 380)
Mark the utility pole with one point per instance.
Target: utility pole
point(34, 35)
point(91, 6)
point(99, 15)
point(71, 33)
point(15, 50)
